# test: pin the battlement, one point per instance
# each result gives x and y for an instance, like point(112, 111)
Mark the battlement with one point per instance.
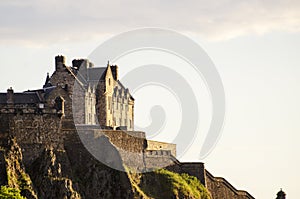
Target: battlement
point(161, 146)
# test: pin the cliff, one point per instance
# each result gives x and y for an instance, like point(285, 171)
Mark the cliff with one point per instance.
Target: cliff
point(73, 173)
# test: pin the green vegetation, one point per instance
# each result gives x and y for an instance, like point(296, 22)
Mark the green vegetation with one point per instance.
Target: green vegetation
point(17, 178)
point(170, 184)
point(10, 193)
point(165, 184)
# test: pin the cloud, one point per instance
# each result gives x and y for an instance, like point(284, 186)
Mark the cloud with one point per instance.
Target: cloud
point(38, 21)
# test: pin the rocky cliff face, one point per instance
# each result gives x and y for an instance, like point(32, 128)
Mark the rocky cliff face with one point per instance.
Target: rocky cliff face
point(72, 173)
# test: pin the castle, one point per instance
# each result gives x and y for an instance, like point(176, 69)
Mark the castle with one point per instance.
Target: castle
point(104, 99)
point(87, 100)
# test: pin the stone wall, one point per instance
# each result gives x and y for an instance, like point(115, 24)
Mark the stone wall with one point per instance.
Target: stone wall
point(34, 132)
point(130, 144)
point(194, 169)
point(220, 188)
point(156, 159)
point(155, 145)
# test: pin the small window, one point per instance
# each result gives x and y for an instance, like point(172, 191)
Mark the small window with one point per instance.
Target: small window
point(109, 81)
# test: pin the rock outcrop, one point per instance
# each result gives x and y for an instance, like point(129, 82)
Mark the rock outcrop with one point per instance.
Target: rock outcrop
point(72, 173)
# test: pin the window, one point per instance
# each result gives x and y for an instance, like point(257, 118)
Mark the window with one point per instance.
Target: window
point(109, 81)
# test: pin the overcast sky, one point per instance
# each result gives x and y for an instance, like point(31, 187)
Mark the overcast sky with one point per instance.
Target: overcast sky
point(255, 46)
point(37, 21)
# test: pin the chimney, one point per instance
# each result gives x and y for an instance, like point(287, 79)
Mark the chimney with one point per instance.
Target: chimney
point(115, 72)
point(81, 65)
point(60, 62)
point(10, 96)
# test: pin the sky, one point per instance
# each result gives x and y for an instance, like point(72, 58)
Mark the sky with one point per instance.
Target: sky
point(254, 45)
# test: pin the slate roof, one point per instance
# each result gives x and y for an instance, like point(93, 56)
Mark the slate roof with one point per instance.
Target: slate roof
point(3, 98)
point(21, 98)
point(28, 97)
point(96, 74)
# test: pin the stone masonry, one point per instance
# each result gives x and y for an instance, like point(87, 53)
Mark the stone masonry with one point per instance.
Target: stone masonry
point(83, 99)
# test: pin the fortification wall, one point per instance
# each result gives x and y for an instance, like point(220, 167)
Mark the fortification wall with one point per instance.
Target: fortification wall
point(159, 159)
point(221, 188)
point(130, 144)
point(194, 169)
point(155, 145)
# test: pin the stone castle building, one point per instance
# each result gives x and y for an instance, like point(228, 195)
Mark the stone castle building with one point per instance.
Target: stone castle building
point(77, 100)
point(103, 98)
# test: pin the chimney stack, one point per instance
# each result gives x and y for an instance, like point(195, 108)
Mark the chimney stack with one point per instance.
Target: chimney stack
point(10, 96)
point(60, 62)
point(115, 71)
point(81, 65)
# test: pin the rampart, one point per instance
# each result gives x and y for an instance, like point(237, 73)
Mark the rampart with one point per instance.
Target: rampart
point(155, 145)
point(220, 188)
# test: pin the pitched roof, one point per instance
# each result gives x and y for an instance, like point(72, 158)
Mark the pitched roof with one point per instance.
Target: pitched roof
point(28, 97)
point(22, 98)
point(96, 74)
point(3, 98)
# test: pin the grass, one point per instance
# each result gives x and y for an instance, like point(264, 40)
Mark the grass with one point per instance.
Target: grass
point(183, 185)
point(10, 193)
point(165, 184)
